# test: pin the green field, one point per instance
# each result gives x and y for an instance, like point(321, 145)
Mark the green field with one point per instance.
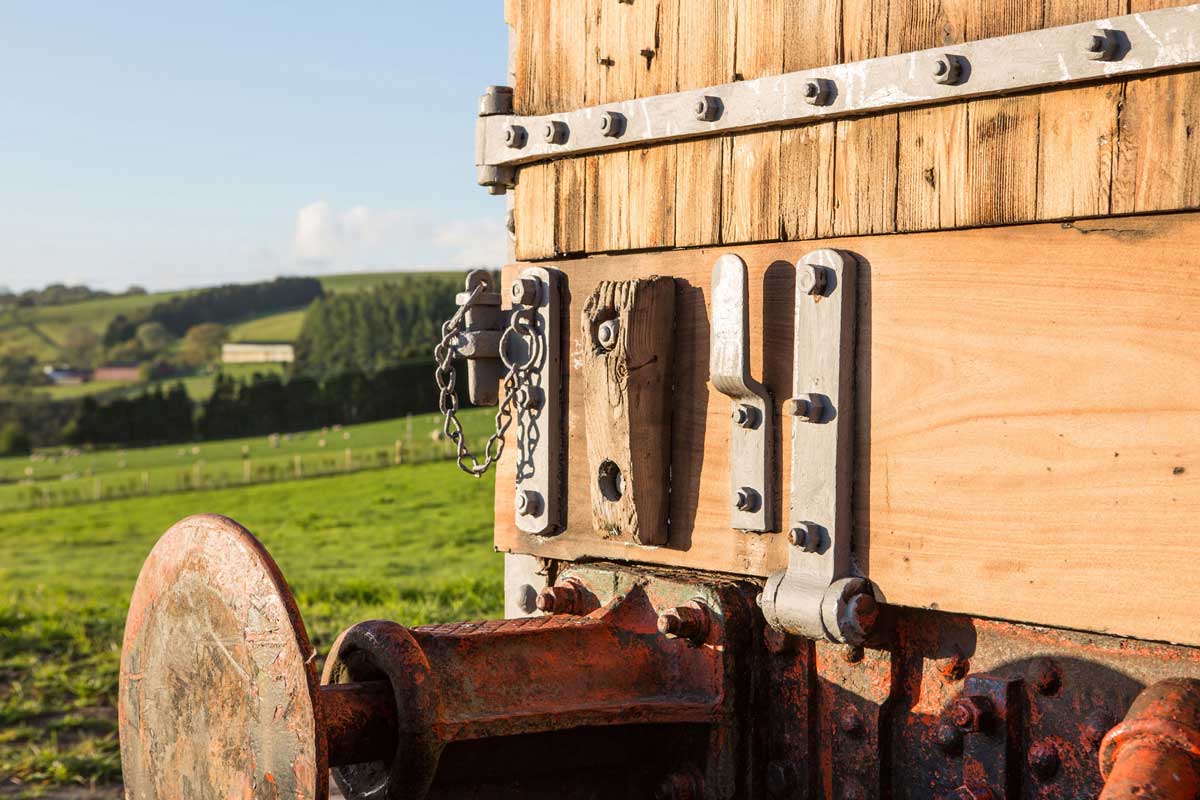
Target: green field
point(410, 543)
point(281, 327)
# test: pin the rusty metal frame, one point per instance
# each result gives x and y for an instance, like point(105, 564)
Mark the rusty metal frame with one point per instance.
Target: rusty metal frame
point(1106, 49)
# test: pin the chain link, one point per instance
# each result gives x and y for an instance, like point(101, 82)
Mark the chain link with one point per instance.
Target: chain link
point(448, 401)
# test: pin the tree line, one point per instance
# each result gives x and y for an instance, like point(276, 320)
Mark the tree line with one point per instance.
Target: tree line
point(60, 294)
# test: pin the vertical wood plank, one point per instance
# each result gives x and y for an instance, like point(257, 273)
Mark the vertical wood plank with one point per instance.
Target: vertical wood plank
point(570, 206)
point(1076, 149)
point(534, 212)
point(606, 178)
point(651, 196)
point(698, 176)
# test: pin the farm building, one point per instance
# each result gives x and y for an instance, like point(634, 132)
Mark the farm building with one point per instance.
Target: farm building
point(257, 353)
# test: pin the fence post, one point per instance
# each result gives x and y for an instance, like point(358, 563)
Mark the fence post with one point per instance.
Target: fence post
point(245, 470)
point(97, 489)
point(145, 482)
point(196, 475)
point(299, 470)
point(349, 460)
point(398, 458)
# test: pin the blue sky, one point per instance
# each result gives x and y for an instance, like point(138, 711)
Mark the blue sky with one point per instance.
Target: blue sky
point(172, 144)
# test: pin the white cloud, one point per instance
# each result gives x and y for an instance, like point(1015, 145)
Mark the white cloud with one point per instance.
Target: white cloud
point(361, 238)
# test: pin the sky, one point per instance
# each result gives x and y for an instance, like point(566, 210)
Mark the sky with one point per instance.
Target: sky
point(170, 144)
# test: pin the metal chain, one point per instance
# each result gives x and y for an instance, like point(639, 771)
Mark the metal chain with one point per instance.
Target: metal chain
point(448, 401)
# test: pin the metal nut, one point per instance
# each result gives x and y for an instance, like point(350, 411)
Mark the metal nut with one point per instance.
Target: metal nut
point(806, 536)
point(746, 416)
point(819, 92)
point(747, 499)
point(528, 503)
point(515, 136)
point(708, 109)
point(971, 713)
point(555, 132)
point(1101, 45)
point(564, 598)
point(526, 291)
point(612, 124)
point(811, 279)
point(690, 621)
point(806, 406)
point(606, 333)
point(948, 69)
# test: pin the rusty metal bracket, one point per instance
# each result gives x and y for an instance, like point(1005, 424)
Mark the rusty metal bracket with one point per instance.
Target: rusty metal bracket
point(817, 596)
point(751, 431)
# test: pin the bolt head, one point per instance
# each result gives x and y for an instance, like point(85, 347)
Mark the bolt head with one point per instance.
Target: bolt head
point(817, 92)
point(612, 124)
point(949, 738)
point(806, 536)
point(528, 503)
point(554, 132)
point(708, 109)
point(526, 291)
point(515, 136)
point(747, 499)
point(1100, 45)
point(947, 69)
point(811, 279)
point(971, 713)
point(607, 332)
point(810, 407)
point(746, 416)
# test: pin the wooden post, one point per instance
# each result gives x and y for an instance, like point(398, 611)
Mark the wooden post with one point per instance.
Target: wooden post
point(245, 470)
point(97, 489)
point(298, 467)
point(145, 482)
point(349, 460)
point(196, 474)
point(398, 458)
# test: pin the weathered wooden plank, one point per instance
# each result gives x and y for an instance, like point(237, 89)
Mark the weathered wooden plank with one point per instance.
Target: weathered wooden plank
point(1019, 401)
point(1077, 142)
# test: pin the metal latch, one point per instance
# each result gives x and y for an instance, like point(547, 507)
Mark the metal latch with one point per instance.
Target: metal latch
point(519, 348)
point(817, 595)
point(752, 485)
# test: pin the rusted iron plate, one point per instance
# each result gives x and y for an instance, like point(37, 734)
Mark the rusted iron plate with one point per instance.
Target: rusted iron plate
point(218, 686)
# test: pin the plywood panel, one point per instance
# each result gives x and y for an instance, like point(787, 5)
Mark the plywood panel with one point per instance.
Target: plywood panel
point(1028, 445)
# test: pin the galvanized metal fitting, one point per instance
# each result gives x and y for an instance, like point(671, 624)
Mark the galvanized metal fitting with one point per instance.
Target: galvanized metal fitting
point(746, 416)
point(562, 598)
point(1101, 45)
point(555, 132)
point(690, 621)
point(612, 124)
point(709, 109)
point(496, 100)
point(528, 503)
point(515, 136)
point(747, 499)
point(806, 536)
point(811, 278)
point(526, 291)
point(810, 407)
point(972, 713)
point(607, 332)
point(530, 398)
point(949, 69)
point(498, 180)
point(819, 92)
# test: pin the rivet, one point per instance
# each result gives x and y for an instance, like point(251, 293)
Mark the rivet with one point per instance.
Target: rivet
point(851, 721)
point(1047, 677)
point(747, 499)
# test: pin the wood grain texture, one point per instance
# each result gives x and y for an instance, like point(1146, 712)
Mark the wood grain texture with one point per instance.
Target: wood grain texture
point(627, 390)
point(1027, 438)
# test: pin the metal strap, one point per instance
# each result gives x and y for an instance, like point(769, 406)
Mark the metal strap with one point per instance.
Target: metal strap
point(1107, 49)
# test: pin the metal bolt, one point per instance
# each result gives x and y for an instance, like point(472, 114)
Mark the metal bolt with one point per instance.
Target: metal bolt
point(971, 713)
point(851, 721)
point(530, 398)
point(527, 598)
point(948, 69)
point(612, 123)
point(949, 738)
point(956, 667)
point(747, 499)
point(1101, 45)
point(807, 406)
point(782, 778)
point(708, 109)
point(515, 136)
point(811, 279)
point(746, 416)
point(861, 614)
point(526, 291)
point(854, 654)
point(496, 100)
point(690, 621)
point(1047, 677)
point(1044, 760)
point(806, 536)
point(606, 333)
point(565, 598)
point(528, 503)
point(555, 132)
point(819, 92)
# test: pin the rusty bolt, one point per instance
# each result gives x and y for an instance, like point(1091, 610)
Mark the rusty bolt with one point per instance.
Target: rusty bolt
point(555, 132)
point(861, 614)
point(782, 778)
point(525, 291)
point(745, 415)
point(1047, 677)
point(515, 136)
point(689, 621)
point(853, 654)
point(971, 713)
point(612, 124)
point(527, 598)
point(948, 69)
point(747, 500)
point(678, 786)
point(807, 406)
point(708, 109)
point(1044, 760)
point(565, 598)
point(949, 739)
point(956, 667)
point(811, 279)
point(606, 333)
point(851, 721)
point(806, 536)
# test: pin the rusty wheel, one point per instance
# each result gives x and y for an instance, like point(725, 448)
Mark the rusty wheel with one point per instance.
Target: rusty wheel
point(218, 686)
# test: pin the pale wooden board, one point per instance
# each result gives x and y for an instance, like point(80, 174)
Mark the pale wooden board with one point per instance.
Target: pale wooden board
point(1028, 421)
point(1055, 155)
